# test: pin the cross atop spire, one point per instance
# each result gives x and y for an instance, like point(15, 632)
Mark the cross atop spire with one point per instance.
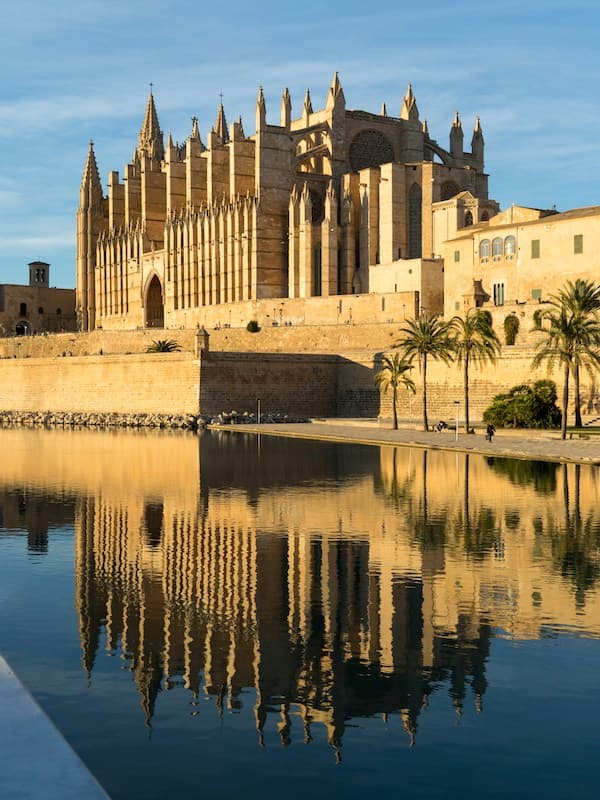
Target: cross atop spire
point(220, 127)
point(91, 186)
point(150, 140)
point(409, 106)
point(335, 96)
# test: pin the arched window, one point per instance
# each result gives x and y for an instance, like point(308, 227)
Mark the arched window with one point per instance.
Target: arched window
point(23, 309)
point(58, 312)
point(510, 246)
point(40, 310)
point(468, 219)
point(484, 248)
point(497, 247)
point(485, 216)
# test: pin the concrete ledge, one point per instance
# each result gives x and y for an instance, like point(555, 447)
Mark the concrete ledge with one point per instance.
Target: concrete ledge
point(36, 763)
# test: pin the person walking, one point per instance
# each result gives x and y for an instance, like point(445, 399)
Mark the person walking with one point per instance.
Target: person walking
point(490, 431)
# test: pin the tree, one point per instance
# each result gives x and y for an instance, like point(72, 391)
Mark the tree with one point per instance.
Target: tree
point(163, 346)
point(582, 298)
point(571, 340)
point(475, 342)
point(394, 373)
point(425, 338)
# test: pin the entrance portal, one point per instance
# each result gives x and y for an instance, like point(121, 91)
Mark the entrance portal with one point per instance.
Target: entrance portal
point(155, 310)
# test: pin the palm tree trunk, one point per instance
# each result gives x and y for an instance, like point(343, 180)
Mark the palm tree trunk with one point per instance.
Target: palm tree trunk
point(466, 378)
point(577, 397)
point(395, 403)
point(565, 403)
point(425, 423)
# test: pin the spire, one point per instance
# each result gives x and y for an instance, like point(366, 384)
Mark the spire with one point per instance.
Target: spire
point(286, 109)
point(335, 96)
point(220, 127)
point(261, 110)
point(384, 110)
point(150, 140)
point(195, 129)
point(409, 105)
point(91, 186)
point(477, 142)
point(456, 136)
point(425, 128)
point(307, 108)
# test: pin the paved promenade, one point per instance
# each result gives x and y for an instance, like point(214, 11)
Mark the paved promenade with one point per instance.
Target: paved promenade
point(529, 444)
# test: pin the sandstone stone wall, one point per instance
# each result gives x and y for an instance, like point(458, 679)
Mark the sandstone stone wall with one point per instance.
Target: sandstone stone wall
point(311, 370)
point(149, 383)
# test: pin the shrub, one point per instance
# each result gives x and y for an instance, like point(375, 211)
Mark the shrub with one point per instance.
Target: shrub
point(537, 319)
point(163, 346)
point(511, 328)
point(525, 406)
point(253, 326)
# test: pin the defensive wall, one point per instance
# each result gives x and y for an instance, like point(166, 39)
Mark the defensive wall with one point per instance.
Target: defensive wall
point(311, 370)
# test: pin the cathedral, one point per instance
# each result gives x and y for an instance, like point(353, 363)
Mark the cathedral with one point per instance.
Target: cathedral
point(334, 202)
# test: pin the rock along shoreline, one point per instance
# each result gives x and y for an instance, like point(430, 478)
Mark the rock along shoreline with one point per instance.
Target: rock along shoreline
point(89, 419)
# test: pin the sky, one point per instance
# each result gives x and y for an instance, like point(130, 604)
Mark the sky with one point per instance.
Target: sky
point(72, 71)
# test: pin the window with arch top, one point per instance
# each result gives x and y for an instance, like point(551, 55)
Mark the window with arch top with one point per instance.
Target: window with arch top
point(484, 248)
point(497, 247)
point(510, 246)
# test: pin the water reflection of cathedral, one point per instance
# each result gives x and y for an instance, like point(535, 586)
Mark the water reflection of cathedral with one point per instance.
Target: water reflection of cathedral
point(316, 583)
point(348, 584)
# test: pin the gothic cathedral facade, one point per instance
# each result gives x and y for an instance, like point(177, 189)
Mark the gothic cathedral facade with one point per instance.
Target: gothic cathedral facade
point(302, 209)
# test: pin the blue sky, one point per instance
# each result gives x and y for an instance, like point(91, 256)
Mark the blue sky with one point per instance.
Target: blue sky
point(76, 70)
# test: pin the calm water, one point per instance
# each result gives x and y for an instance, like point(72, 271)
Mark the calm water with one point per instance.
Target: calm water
point(227, 616)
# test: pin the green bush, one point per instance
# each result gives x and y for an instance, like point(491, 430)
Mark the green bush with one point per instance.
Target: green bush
point(511, 328)
point(525, 406)
point(253, 326)
point(163, 346)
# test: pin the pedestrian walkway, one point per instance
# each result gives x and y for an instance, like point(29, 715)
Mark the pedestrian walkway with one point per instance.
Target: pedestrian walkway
point(36, 763)
point(528, 444)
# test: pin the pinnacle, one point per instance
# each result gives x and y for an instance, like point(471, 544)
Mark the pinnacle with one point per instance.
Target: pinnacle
point(220, 127)
point(151, 139)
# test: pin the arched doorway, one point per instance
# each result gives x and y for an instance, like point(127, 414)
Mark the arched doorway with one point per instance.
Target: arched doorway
point(155, 310)
point(22, 328)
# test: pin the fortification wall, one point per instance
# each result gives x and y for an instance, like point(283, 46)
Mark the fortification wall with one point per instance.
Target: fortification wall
point(146, 383)
point(311, 370)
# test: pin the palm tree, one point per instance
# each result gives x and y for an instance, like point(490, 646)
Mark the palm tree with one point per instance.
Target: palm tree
point(572, 341)
point(582, 298)
point(163, 346)
point(424, 338)
point(475, 342)
point(394, 373)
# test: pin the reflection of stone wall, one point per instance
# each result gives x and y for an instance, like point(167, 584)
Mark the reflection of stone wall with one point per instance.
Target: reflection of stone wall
point(329, 568)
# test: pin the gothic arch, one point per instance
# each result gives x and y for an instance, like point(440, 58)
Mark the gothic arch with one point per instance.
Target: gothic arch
point(154, 306)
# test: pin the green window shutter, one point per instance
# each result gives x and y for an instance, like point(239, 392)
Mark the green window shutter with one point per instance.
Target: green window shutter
point(535, 248)
point(536, 294)
point(578, 243)
point(457, 255)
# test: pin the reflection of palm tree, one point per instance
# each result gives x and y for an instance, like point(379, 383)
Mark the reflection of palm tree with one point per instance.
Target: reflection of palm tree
point(576, 541)
point(480, 532)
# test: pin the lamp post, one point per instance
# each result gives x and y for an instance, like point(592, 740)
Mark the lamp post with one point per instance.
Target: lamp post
point(457, 405)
